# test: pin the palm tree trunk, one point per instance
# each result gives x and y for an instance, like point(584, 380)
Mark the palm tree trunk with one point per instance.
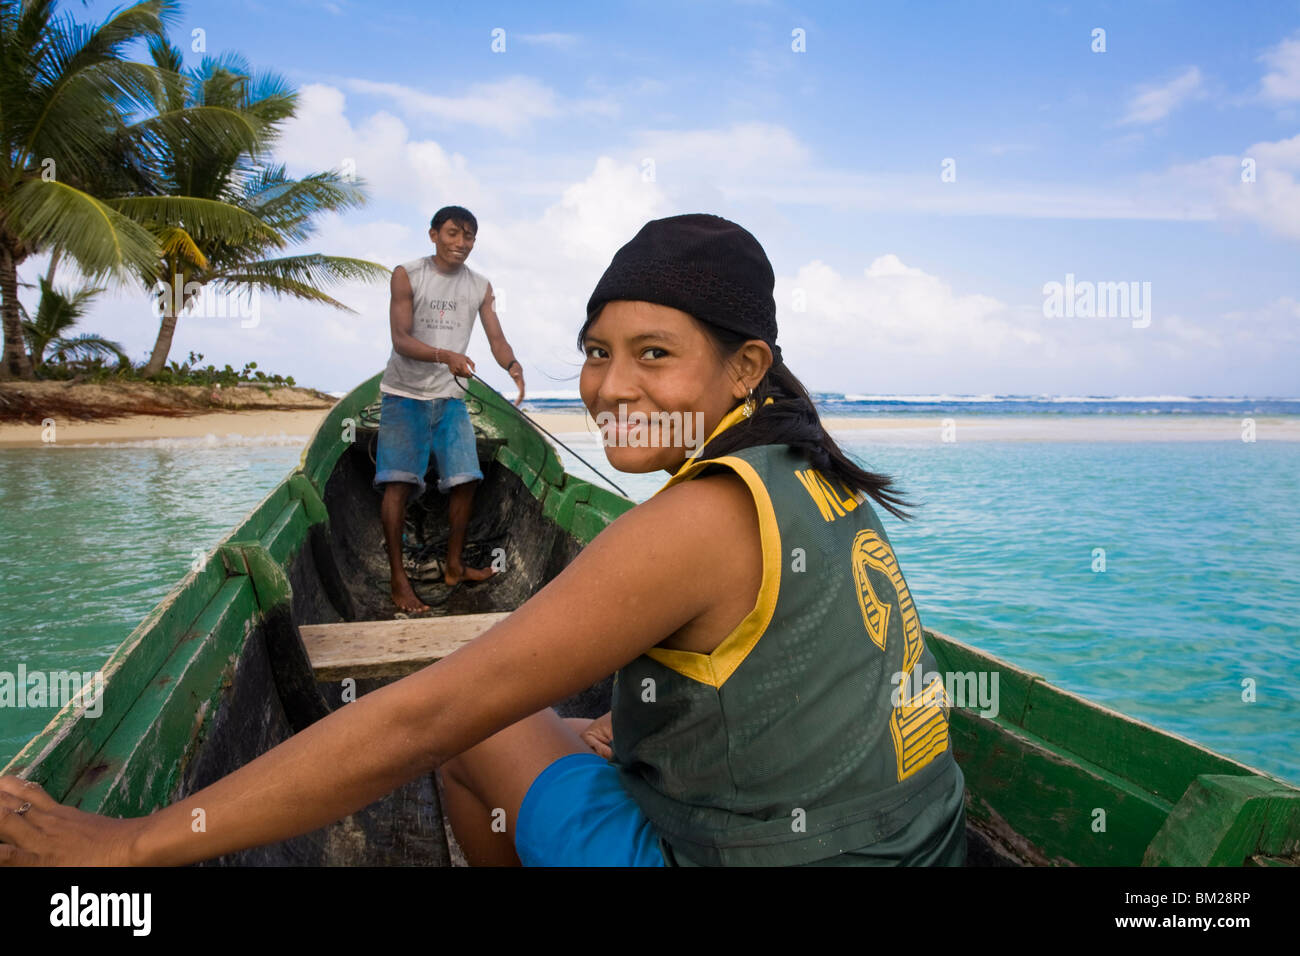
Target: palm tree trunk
point(17, 363)
point(54, 264)
point(163, 345)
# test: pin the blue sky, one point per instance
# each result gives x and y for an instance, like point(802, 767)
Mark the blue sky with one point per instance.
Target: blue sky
point(1115, 166)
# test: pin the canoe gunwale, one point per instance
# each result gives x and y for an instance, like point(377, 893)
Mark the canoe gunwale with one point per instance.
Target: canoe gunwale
point(1085, 755)
point(1168, 798)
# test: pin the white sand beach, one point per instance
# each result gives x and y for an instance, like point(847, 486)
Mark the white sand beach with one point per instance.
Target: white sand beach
point(142, 428)
point(269, 424)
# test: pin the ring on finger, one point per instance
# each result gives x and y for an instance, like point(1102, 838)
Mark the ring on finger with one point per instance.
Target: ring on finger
point(27, 805)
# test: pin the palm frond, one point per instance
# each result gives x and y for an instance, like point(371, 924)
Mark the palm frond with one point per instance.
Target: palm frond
point(210, 218)
point(140, 21)
point(227, 62)
point(179, 244)
point(217, 128)
point(102, 240)
point(87, 345)
point(59, 310)
point(74, 46)
point(311, 269)
point(73, 302)
point(72, 66)
point(279, 286)
point(290, 205)
point(166, 55)
point(271, 96)
point(74, 118)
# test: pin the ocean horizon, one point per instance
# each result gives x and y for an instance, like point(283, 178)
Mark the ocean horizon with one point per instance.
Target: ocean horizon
point(1200, 588)
point(850, 404)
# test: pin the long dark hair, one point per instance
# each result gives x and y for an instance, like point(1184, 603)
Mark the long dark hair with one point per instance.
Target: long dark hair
point(792, 420)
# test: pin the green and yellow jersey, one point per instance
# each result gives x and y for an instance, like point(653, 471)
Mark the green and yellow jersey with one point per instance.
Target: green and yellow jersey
point(806, 736)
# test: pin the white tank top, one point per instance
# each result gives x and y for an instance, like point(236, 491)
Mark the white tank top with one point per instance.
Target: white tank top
point(443, 311)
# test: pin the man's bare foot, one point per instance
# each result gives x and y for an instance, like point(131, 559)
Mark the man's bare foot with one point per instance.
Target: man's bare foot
point(455, 573)
point(405, 599)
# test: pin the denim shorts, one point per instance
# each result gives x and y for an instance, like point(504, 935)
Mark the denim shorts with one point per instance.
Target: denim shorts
point(411, 428)
point(577, 813)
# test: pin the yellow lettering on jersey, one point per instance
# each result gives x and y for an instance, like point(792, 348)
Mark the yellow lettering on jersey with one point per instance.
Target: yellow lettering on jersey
point(829, 502)
point(919, 728)
point(851, 500)
point(875, 612)
point(871, 551)
point(919, 725)
point(820, 481)
point(818, 494)
point(844, 507)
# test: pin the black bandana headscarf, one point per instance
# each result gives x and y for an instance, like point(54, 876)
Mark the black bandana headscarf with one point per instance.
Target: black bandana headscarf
point(704, 265)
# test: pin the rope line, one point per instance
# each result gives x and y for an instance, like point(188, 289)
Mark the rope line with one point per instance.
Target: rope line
point(509, 404)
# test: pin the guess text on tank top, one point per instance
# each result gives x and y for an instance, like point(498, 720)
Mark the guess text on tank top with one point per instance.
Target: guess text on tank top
point(444, 306)
point(438, 314)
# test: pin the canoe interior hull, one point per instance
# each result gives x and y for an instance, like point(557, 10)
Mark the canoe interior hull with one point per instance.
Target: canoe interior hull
point(406, 827)
point(218, 673)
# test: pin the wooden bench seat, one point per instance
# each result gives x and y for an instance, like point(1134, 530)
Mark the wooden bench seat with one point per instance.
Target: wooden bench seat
point(364, 649)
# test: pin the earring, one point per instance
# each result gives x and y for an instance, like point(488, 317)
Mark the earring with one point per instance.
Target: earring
point(748, 410)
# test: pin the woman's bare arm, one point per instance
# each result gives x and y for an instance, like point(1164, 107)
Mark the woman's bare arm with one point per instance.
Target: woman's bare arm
point(649, 573)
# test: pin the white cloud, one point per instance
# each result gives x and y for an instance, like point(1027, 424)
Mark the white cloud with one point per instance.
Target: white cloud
point(1246, 338)
point(546, 267)
point(509, 105)
point(1153, 103)
point(762, 151)
point(542, 268)
point(890, 327)
point(1271, 201)
point(1282, 84)
point(596, 216)
point(381, 152)
point(701, 167)
point(897, 328)
point(768, 163)
point(1273, 324)
point(559, 41)
point(607, 106)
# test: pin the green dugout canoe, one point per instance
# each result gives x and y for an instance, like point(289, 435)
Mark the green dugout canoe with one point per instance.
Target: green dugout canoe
point(290, 617)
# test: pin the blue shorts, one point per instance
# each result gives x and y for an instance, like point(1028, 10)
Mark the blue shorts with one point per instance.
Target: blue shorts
point(411, 428)
point(577, 813)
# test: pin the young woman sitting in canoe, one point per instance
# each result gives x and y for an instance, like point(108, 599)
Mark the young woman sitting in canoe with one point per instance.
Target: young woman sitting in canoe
point(769, 705)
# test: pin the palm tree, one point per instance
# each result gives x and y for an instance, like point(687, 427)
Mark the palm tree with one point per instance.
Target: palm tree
point(57, 313)
point(264, 209)
point(66, 95)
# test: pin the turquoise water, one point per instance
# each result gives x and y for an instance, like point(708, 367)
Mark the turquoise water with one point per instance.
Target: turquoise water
point(1201, 589)
point(92, 538)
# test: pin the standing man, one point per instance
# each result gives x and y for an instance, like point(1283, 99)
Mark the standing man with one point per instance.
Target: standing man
point(434, 301)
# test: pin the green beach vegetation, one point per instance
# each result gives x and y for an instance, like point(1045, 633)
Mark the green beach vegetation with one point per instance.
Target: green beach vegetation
point(98, 370)
point(148, 174)
point(50, 329)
